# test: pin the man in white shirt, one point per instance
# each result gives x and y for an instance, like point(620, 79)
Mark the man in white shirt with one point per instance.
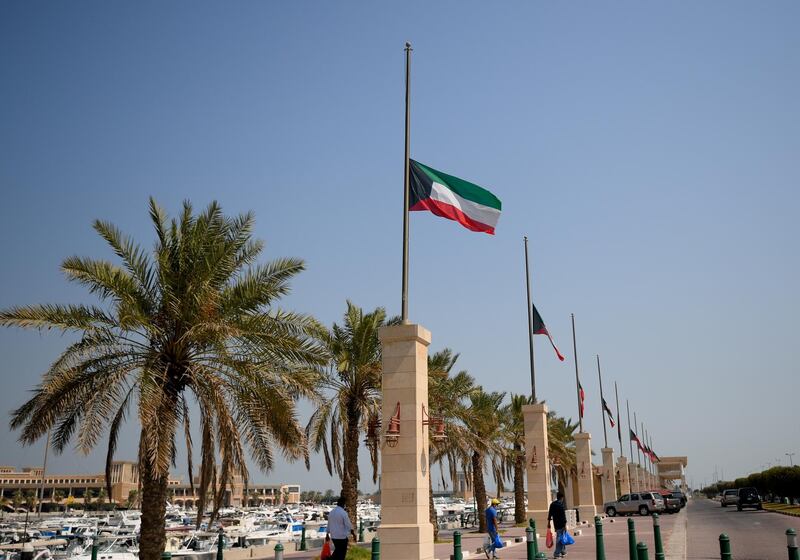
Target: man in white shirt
point(339, 528)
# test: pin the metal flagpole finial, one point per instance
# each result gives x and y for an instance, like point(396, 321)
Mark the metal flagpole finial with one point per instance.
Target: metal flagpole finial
point(408, 46)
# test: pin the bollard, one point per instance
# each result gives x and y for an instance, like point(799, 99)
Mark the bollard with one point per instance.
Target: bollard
point(631, 540)
point(166, 556)
point(303, 545)
point(532, 524)
point(360, 531)
point(457, 555)
point(530, 539)
point(94, 551)
point(641, 551)
point(657, 537)
point(220, 543)
point(541, 555)
point(279, 551)
point(600, 547)
point(725, 547)
point(791, 544)
point(376, 549)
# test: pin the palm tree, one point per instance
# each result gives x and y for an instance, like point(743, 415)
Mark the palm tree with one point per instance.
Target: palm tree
point(58, 497)
point(133, 498)
point(88, 495)
point(192, 324)
point(447, 396)
point(353, 381)
point(515, 433)
point(561, 444)
point(483, 422)
point(17, 499)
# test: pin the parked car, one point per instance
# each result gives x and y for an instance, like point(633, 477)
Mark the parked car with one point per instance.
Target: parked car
point(671, 503)
point(748, 498)
point(729, 498)
point(680, 496)
point(643, 503)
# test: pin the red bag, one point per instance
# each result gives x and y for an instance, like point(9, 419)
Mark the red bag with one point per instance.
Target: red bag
point(549, 539)
point(326, 549)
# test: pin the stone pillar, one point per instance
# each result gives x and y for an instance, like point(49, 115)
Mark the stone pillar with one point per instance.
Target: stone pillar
point(405, 531)
point(624, 476)
point(537, 463)
point(609, 476)
point(583, 457)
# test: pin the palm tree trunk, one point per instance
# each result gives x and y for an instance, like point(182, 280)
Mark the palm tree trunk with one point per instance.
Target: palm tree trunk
point(351, 474)
point(152, 536)
point(479, 487)
point(432, 509)
point(519, 484)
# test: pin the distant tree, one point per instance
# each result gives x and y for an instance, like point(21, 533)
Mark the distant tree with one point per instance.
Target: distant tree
point(17, 499)
point(30, 500)
point(88, 495)
point(4, 502)
point(133, 499)
point(58, 497)
point(328, 497)
point(101, 496)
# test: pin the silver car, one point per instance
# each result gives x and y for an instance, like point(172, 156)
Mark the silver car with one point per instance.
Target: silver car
point(729, 498)
point(643, 503)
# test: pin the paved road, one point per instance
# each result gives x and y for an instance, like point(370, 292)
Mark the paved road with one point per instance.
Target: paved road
point(693, 534)
point(755, 535)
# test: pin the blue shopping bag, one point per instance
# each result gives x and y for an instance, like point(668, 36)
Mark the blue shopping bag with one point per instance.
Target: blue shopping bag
point(497, 542)
point(566, 538)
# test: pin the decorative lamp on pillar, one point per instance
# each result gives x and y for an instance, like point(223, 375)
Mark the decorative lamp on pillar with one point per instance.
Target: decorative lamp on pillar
point(534, 461)
point(436, 422)
point(583, 469)
point(393, 431)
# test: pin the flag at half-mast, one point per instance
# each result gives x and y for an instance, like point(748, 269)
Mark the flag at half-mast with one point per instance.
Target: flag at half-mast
point(608, 411)
point(582, 397)
point(635, 438)
point(472, 206)
point(539, 328)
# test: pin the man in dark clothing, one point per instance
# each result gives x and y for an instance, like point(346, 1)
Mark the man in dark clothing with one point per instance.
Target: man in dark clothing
point(558, 515)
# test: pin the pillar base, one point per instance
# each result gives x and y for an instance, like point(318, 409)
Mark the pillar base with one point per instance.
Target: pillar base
point(407, 541)
point(587, 513)
point(540, 516)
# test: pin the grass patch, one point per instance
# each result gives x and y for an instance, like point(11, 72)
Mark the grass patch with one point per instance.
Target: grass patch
point(783, 508)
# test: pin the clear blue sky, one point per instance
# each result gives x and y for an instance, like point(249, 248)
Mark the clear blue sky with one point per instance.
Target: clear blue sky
point(650, 152)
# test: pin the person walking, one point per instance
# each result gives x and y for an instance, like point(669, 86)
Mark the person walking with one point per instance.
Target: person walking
point(558, 514)
point(340, 529)
point(491, 527)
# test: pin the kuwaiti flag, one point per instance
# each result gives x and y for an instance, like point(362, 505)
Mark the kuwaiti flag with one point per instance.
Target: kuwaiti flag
point(473, 207)
point(582, 397)
point(608, 411)
point(635, 438)
point(539, 328)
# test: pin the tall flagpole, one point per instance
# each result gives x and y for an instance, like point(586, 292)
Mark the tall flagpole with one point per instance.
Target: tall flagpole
point(619, 421)
point(406, 172)
point(602, 401)
point(638, 447)
point(530, 322)
point(577, 378)
point(647, 468)
point(630, 441)
point(44, 473)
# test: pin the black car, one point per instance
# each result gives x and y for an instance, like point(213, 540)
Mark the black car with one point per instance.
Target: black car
point(680, 496)
point(748, 498)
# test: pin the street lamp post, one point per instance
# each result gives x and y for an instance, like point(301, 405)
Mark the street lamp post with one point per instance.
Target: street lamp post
point(790, 455)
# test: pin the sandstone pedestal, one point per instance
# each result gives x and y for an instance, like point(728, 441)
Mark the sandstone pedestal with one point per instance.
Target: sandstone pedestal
point(624, 478)
point(583, 456)
point(609, 475)
point(405, 531)
point(537, 463)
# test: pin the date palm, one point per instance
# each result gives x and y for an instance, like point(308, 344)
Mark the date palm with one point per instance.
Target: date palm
point(515, 433)
point(189, 328)
point(352, 384)
point(447, 397)
point(484, 423)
